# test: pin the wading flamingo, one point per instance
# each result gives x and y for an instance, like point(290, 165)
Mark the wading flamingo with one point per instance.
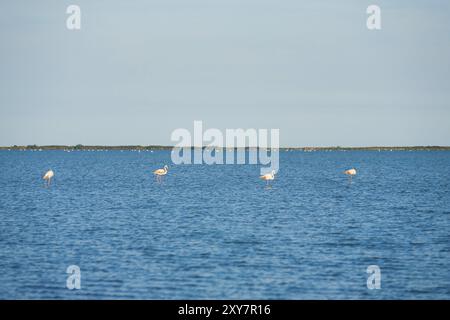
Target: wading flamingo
point(350, 173)
point(268, 176)
point(48, 176)
point(159, 173)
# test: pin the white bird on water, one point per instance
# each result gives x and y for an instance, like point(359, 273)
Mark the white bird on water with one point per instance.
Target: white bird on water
point(159, 173)
point(268, 176)
point(350, 173)
point(48, 176)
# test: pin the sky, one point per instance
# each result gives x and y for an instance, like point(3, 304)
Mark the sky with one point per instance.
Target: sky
point(138, 70)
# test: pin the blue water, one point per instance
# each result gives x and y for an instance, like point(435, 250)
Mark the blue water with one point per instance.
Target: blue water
point(219, 232)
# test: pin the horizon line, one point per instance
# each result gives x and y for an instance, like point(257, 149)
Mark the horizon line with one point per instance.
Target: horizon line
point(156, 146)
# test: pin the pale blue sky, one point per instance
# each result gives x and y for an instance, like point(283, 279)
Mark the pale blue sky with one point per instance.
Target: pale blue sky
point(137, 70)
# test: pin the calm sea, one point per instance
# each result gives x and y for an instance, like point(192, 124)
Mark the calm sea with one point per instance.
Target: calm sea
point(219, 232)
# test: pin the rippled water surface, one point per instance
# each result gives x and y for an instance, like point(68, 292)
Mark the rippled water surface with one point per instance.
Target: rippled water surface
point(219, 232)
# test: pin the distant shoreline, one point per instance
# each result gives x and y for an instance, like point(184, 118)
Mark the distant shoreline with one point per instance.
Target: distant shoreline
point(159, 147)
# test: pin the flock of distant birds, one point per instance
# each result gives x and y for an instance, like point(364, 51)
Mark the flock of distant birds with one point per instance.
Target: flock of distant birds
point(160, 173)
